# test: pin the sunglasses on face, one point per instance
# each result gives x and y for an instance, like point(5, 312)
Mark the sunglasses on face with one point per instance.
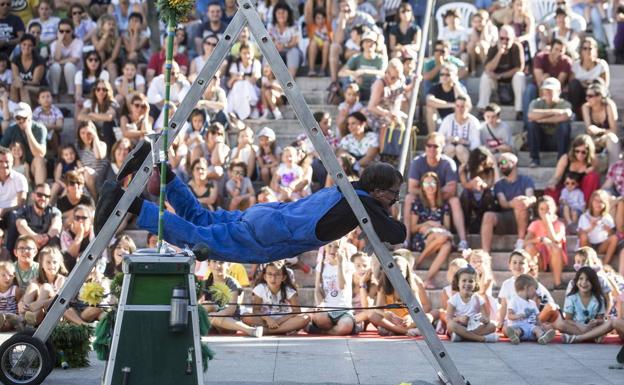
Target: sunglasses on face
point(101, 89)
point(429, 145)
point(65, 30)
point(589, 96)
point(42, 195)
point(582, 152)
point(139, 105)
point(76, 183)
point(503, 38)
point(444, 74)
point(430, 184)
point(80, 218)
point(93, 59)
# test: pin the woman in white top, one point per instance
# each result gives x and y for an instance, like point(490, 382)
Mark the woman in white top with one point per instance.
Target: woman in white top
point(65, 54)
point(588, 69)
point(286, 36)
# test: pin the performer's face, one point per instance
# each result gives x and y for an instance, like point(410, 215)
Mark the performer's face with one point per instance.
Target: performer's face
point(387, 197)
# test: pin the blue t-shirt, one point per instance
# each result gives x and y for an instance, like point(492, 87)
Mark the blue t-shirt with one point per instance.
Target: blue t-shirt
point(582, 314)
point(446, 169)
point(513, 189)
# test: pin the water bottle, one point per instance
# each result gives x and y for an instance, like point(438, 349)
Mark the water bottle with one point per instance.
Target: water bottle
point(64, 363)
point(178, 317)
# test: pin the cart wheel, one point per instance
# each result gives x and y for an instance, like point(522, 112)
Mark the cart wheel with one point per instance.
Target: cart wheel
point(49, 346)
point(24, 360)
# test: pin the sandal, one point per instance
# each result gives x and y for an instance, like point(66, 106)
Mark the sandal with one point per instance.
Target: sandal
point(429, 285)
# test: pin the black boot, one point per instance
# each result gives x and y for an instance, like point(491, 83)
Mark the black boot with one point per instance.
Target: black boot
point(135, 159)
point(110, 195)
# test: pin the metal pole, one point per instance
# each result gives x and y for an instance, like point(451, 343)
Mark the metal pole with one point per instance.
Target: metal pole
point(416, 89)
point(171, 24)
point(329, 160)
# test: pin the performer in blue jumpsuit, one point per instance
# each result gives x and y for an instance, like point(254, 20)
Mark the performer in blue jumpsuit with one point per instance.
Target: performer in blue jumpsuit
point(269, 231)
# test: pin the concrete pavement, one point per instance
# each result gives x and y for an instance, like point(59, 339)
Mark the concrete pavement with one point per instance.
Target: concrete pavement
point(310, 360)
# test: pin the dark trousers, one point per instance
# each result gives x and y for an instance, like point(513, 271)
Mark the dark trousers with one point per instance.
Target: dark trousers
point(540, 141)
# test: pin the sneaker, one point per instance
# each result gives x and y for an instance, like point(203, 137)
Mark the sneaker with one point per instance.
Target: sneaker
point(463, 245)
point(134, 160)
point(455, 337)
point(413, 332)
point(110, 194)
point(492, 337)
point(519, 244)
point(514, 339)
point(254, 114)
point(277, 114)
point(546, 337)
point(257, 332)
point(534, 164)
point(568, 338)
point(266, 115)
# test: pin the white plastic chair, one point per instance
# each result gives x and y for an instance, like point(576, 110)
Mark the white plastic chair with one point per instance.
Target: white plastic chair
point(542, 8)
point(465, 10)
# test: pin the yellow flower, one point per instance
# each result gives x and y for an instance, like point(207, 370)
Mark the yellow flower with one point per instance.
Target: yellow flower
point(91, 293)
point(220, 293)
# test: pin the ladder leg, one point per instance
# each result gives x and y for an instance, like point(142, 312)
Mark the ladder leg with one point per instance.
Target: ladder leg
point(296, 100)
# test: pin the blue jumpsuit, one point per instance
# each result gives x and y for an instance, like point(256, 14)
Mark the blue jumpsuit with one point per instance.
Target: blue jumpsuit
point(263, 233)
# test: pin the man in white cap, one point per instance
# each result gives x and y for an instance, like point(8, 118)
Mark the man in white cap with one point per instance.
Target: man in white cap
point(32, 136)
point(366, 66)
point(549, 122)
point(515, 195)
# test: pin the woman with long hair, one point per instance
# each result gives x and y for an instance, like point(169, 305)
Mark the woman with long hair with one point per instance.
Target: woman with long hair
point(107, 43)
point(286, 36)
point(405, 34)
point(28, 70)
point(91, 72)
point(477, 178)
point(92, 153)
point(430, 223)
point(77, 234)
point(588, 69)
point(580, 160)
point(100, 109)
point(137, 122)
point(202, 187)
point(362, 143)
point(600, 115)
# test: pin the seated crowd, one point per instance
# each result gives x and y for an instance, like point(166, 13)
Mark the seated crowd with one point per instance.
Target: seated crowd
point(93, 62)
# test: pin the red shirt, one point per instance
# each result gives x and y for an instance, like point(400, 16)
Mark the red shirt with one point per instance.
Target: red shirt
point(563, 65)
point(157, 61)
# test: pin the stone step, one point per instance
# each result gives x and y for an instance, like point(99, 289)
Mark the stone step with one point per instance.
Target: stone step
point(313, 84)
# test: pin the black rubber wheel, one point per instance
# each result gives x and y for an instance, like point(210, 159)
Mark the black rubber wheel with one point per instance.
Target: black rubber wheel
point(18, 370)
point(620, 356)
point(49, 346)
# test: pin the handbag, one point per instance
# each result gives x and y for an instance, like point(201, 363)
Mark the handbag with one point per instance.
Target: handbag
point(391, 139)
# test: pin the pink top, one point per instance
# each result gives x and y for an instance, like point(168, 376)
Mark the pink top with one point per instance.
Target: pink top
point(538, 228)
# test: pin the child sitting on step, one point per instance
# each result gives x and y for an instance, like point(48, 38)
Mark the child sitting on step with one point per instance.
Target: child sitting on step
point(333, 287)
point(275, 292)
point(481, 261)
point(447, 292)
point(584, 310)
point(466, 312)
point(225, 318)
point(522, 314)
point(398, 321)
point(10, 294)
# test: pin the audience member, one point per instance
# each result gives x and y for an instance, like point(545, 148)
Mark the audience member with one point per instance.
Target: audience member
point(201, 186)
point(600, 115)
point(579, 160)
point(461, 131)
point(362, 143)
point(74, 194)
point(364, 68)
point(585, 71)
point(430, 226)
point(52, 117)
point(39, 219)
point(515, 194)
point(92, 153)
point(28, 71)
point(446, 170)
point(77, 234)
point(386, 96)
point(433, 66)
point(13, 190)
point(441, 97)
point(477, 177)
point(405, 34)
point(26, 269)
point(100, 109)
point(65, 54)
point(553, 63)
point(12, 28)
point(32, 136)
point(562, 30)
point(503, 67)
point(85, 79)
point(495, 133)
point(596, 227)
point(549, 122)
